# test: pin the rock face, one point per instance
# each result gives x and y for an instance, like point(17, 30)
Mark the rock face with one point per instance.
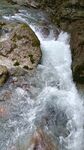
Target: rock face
point(3, 74)
point(19, 45)
point(77, 45)
point(70, 17)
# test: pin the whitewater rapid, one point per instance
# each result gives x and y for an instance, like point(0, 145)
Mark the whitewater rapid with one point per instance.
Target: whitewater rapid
point(58, 90)
point(57, 57)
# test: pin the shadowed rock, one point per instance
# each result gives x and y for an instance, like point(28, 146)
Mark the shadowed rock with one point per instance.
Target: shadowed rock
point(3, 74)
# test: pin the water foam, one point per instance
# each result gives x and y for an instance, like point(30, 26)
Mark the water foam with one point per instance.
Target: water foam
point(57, 56)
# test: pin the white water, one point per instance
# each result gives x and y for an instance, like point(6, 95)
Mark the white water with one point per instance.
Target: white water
point(59, 91)
point(57, 57)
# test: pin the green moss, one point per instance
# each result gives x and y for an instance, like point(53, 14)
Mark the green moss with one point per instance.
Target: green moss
point(14, 38)
point(27, 68)
point(0, 44)
point(2, 24)
point(31, 58)
point(16, 63)
point(2, 80)
point(35, 42)
point(3, 74)
point(24, 26)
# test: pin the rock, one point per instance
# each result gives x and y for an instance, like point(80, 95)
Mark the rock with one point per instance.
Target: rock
point(41, 141)
point(19, 45)
point(53, 116)
point(77, 46)
point(28, 3)
point(69, 17)
point(3, 74)
point(3, 112)
point(5, 96)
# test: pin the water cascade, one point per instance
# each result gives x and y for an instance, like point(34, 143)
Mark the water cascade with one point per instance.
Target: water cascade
point(56, 97)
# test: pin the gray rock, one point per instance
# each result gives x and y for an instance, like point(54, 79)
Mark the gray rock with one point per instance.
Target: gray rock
point(19, 45)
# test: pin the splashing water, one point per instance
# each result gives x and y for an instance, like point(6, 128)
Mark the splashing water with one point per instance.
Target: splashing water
point(57, 97)
point(57, 57)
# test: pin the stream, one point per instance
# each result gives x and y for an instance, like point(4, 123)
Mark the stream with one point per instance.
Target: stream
point(54, 97)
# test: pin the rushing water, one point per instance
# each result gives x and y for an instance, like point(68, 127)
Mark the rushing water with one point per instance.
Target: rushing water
point(54, 96)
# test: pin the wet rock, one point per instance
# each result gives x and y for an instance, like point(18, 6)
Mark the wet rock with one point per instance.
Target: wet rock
point(48, 31)
point(19, 45)
point(56, 118)
point(5, 95)
point(3, 74)
point(28, 3)
point(3, 112)
point(77, 46)
point(69, 16)
point(41, 140)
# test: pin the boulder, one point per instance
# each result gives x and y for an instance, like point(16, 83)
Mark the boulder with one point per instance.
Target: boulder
point(19, 46)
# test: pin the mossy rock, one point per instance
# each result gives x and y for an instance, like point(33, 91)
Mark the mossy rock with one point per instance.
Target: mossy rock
point(20, 45)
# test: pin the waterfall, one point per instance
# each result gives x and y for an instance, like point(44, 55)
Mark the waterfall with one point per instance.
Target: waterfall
point(57, 58)
point(58, 92)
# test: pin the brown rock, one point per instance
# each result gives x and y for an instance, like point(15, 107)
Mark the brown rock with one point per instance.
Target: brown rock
point(41, 141)
point(28, 3)
point(77, 46)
